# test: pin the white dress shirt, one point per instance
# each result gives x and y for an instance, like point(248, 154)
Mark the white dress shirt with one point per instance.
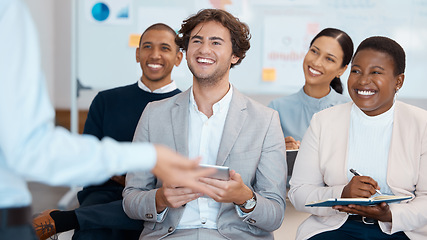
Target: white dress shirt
point(165, 89)
point(204, 137)
point(31, 147)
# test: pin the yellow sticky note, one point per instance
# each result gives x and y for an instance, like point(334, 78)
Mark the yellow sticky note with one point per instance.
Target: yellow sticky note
point(269, 74)
point(134, 40)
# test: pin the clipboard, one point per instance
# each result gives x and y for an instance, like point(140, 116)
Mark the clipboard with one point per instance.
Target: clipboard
point(358, 201)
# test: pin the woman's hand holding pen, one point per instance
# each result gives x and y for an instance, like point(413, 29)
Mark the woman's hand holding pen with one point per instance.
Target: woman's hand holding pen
point(360, 187)
point(364, 187)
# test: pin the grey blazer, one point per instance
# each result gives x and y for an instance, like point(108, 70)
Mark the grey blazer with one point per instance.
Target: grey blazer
point(252, 144)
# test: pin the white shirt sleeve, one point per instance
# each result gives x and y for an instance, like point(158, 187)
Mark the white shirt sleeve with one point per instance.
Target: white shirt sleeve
point(30, 145)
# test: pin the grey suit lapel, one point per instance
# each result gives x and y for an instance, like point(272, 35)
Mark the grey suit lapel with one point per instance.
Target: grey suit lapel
point(179, 119)
point(233, 125)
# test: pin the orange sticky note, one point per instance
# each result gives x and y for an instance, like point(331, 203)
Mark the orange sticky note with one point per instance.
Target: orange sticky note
point(134, 40)
point(269, 74)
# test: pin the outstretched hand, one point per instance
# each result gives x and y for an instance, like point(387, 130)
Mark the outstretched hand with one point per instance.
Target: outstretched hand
point(177, 170)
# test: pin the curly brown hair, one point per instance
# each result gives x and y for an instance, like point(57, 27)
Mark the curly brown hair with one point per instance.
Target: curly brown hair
point(239, 31)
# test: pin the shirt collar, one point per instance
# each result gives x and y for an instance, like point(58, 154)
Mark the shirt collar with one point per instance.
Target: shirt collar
point(387, 116)
point(165, 89)
point(219, 106)
point(316, 101)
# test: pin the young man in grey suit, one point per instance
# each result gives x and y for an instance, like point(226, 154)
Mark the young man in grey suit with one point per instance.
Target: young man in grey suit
point(213, 120)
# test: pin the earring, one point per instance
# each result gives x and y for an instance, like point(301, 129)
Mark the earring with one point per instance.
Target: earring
point(395, 94)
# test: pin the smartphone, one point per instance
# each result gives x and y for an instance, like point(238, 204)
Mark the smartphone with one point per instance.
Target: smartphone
point(222, 172)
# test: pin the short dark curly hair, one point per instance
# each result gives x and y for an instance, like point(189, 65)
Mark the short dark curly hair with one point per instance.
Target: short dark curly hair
point(239, 31)
point(387, 46)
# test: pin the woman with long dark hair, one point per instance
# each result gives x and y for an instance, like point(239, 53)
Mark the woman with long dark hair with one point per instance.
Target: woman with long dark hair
point(326, 60)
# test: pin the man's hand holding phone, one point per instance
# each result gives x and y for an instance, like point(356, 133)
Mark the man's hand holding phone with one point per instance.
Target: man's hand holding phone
point(232, 191)
point(221, 172)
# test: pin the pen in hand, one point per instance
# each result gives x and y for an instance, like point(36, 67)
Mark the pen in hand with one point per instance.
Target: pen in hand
point(355, 173)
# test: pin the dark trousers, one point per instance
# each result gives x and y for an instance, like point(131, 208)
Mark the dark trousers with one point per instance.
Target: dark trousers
point(101, 215)
point(353, 230)
point(23, 232)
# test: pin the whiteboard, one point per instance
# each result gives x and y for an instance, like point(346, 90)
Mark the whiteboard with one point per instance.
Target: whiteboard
point(281, 31)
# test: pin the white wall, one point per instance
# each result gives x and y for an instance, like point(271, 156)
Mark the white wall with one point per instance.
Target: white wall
point(53, 22)
point(42, 13)
point(62, 53)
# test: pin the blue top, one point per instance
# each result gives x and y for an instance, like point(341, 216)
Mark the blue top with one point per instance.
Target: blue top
point(31, 147)
point(296, 110)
